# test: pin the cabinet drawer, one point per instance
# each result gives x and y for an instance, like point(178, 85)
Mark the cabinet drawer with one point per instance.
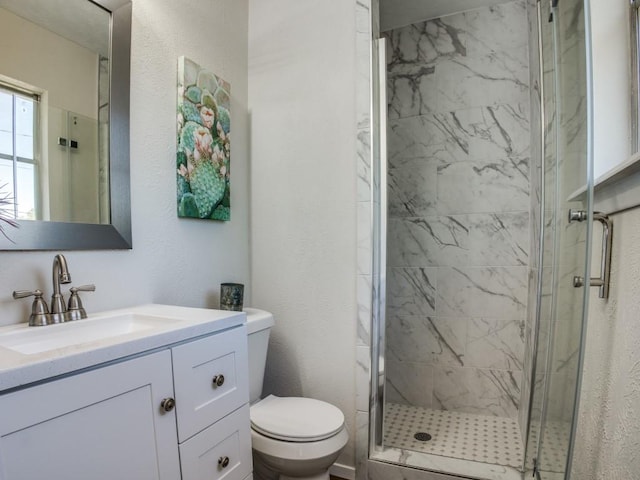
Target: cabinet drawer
point(202, 455)
point(200, 401)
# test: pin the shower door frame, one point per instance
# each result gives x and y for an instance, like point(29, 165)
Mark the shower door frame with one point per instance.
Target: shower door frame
point(558, 220)
point(379, 248)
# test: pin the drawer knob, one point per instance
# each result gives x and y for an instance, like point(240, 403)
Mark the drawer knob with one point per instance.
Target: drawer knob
point(168, 404)
point(218, 381)
point(223, 462)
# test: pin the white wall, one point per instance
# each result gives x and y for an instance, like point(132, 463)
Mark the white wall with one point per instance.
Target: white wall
point(609, 422)
point(611, 83)
point(175, 261)
point(303, 195)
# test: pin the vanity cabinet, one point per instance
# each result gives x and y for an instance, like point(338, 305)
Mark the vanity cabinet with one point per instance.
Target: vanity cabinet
point(104, 423)
point(116, 422)
point(212, 396)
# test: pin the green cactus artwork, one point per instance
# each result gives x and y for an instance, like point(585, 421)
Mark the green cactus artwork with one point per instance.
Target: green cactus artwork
point(203, 143)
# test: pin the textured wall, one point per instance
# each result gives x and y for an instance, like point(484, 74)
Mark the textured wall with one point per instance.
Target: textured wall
point(608, 437)
point(173, 261)
point(303, 194)
point(458, 229)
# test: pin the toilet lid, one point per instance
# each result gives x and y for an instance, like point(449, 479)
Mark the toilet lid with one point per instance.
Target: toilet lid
point(296, 419)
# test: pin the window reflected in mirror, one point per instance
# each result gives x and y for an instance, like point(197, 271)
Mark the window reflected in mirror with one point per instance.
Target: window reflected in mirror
point(18, 160)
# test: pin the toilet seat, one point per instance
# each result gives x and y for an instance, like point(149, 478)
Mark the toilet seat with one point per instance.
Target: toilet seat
point(296, 419)
point(288, 453)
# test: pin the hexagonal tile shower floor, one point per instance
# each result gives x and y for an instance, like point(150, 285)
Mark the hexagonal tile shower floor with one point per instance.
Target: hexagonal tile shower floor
point(466, 436)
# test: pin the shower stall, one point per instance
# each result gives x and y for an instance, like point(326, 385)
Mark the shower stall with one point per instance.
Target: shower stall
point(480, 146)
point(72, 165)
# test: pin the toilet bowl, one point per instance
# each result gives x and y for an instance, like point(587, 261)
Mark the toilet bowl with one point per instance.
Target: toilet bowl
point(291, 437)
point(297, 437)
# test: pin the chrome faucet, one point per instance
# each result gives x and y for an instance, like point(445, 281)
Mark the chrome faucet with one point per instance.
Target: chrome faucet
point(60, 275)
point(40, 314)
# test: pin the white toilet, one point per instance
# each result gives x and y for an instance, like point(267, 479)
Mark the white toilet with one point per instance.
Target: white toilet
point(291, 437)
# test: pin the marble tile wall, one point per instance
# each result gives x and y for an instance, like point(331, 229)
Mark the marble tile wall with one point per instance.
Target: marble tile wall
point(459, 188)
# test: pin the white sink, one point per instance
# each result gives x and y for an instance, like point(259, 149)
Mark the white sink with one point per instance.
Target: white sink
point(31, 354)
point(33, 340)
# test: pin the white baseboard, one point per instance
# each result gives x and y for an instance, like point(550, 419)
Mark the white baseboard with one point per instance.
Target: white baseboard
point(343, 471)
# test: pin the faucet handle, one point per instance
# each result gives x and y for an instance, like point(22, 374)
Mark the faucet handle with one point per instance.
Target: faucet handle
point(83, 288)
point(75, 309)
point(39, 310)
point(27, 293)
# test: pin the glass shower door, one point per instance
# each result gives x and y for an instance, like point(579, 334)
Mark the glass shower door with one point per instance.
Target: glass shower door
point(565, 244)
point(73, 166)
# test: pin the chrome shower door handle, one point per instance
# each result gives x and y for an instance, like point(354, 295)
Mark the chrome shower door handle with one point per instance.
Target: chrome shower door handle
point(605, 262)
point(602, 282)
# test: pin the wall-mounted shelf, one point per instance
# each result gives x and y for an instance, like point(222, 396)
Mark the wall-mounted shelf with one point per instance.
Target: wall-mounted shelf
point(616, 190)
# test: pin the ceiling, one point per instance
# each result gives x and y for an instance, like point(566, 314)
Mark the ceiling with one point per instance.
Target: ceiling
point(80, 21)
point(399, 13)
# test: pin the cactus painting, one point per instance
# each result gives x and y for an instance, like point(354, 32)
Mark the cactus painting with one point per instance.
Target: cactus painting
point(203, 143)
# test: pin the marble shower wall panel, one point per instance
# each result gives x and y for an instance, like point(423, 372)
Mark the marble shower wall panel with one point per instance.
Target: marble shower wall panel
point(464, 134)
point(409, 386)
point(412, 291)
point(499, 292)
point(483, 186)
point(495, 343)
point(482, 239)
point(499, 239)
point(427, 242)
point(427, 340)
point(364, 291)
point(480, 391)
point(412, 188)
point(459, 208)
point(490, 65)
point(363, 145)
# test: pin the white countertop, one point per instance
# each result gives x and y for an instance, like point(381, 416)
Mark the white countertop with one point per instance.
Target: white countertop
point(17, 369)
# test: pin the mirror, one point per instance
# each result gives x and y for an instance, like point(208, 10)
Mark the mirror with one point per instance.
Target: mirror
point(64, 123)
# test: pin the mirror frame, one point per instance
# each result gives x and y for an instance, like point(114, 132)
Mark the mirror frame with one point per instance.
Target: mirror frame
point(42, 235)
point(634, 42)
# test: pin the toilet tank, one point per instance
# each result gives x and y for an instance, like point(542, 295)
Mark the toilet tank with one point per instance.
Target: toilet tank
point(259, 325)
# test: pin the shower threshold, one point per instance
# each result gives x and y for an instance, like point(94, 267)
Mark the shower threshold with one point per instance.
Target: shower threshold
point(475, 446)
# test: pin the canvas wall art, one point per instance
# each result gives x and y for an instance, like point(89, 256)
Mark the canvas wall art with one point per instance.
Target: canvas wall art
point(203, 143)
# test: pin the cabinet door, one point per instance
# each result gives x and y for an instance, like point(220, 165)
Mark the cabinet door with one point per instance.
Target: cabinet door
point(221, 452)
point(199, 400)
point(102, 424)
